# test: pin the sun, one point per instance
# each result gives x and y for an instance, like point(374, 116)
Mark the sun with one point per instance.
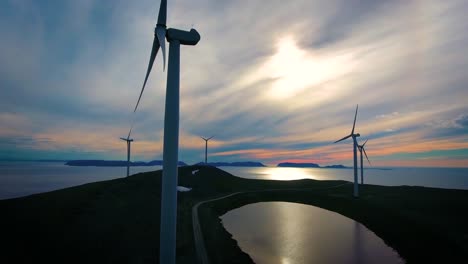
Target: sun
point(295, 69)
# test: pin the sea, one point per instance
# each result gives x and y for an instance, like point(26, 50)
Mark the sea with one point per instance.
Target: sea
point(21, 178)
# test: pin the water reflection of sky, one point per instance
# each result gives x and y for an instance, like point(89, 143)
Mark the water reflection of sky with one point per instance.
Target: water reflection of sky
point(451, 178)
point(24, 178)
point(289, 233)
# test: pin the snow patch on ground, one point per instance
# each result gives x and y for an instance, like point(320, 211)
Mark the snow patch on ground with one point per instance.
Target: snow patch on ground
point(183, 189)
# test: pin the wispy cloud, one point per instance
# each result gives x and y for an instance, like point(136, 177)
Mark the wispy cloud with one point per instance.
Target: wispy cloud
point(272, 81)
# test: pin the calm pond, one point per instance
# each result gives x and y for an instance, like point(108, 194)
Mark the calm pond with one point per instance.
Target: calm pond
point(291, 233)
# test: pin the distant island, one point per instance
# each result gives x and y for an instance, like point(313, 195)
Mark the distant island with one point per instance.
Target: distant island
point(339, 166)
point(116, 163)
point(122, 163)
point(298, 165)
point(233, 164)
point(310, 165)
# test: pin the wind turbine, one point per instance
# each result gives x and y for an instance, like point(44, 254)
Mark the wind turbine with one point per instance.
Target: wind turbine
point(361, 149)
point(129, 141)
point(206, 148)
point(175, 37)
point(354, 136)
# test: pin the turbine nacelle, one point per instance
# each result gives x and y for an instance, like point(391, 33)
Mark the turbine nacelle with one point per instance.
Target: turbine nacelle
point(352, 134)
point(207, 139)
point(355, 146)
point(190, 38)
point(362, 149)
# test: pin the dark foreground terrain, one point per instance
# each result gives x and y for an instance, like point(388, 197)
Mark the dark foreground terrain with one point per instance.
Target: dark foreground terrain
point(117, 221)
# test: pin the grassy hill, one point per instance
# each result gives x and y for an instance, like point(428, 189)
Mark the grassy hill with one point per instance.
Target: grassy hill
point(117, 221)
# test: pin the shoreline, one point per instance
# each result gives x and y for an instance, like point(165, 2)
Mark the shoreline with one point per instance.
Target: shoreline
point(118, 220)
point(413, 240)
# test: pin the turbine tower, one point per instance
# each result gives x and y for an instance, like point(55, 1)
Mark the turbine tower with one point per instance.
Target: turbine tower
point(206, 148)
point(129, 141)
point(361, 149)
point(354, 136)
point(175, 37)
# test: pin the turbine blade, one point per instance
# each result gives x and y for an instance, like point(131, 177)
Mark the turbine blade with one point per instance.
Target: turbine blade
point(342, 139)
point(161, 34)
point(204, 138)
point(129, 132)
point(366, 156)
point(162, 13)
point(123, 139)
point(210, 137)
point(364, 143)
point(154, 52)
point(355, 115)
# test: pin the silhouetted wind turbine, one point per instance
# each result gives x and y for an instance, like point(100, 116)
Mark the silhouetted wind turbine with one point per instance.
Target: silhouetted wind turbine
point(354, 136)
point(206, 148)
point(175, 37)
point(129, 141)
point(361, 149)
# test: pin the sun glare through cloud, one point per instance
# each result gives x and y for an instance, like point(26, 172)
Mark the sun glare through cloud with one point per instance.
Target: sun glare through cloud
point(305, 131)
point(284, 94)
point(295, 69)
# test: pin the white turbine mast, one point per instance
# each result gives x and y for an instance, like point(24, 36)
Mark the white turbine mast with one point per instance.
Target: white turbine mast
point(129, 142)
point(362, 149)
point(206, 148)
point(175, 37)
point(354, 136)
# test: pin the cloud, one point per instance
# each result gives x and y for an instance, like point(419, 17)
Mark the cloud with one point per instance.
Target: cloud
point(448, 126)
point(23, 142)
point(345, 16)
point(270, 81)
point(391, 115)
point(462, 121)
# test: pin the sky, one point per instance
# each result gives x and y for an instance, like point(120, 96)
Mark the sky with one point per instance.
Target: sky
point(272, 81)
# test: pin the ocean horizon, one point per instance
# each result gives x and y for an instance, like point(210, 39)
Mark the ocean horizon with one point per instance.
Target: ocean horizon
point(22, 178)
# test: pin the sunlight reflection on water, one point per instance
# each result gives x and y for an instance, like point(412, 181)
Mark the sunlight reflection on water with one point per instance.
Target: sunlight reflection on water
point(451, 178)
point(290, 233)
point(282, 174)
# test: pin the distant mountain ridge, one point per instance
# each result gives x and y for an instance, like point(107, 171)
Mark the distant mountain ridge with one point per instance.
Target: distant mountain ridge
point(233, 164)
point(122, 163)
point(339, 166)
point(309, 165)
point(298, 165)
point(116, 163)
